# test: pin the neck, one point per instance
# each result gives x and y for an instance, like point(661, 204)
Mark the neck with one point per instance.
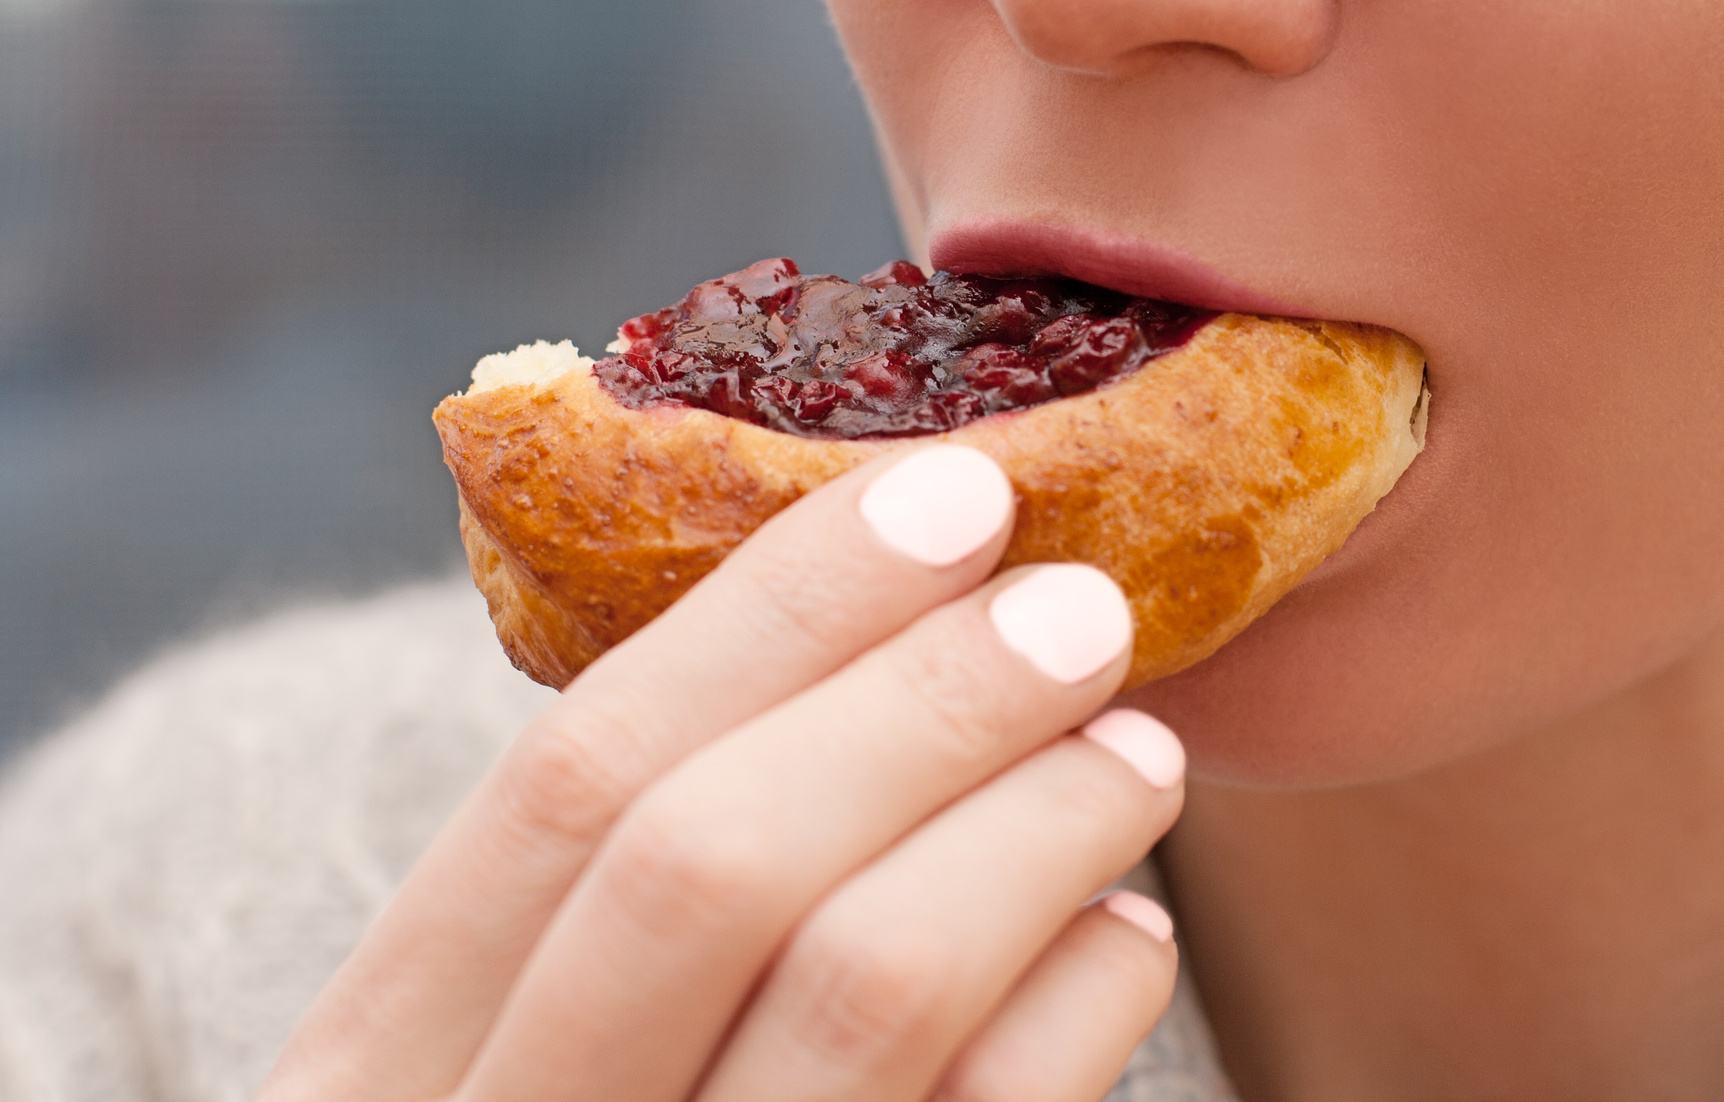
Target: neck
point(1545, 920)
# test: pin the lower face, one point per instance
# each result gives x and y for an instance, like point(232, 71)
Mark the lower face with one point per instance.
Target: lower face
point(1533, 191)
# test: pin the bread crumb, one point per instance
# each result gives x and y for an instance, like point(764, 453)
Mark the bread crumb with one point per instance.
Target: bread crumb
point(528, 365)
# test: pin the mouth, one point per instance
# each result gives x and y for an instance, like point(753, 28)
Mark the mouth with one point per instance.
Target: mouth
point(1007, 247)
point(1002, 247)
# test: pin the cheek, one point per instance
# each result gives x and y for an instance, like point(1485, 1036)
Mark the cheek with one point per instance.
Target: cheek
point(916, 60)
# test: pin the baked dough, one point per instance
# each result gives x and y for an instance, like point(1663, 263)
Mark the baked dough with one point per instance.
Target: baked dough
point(1207, 483)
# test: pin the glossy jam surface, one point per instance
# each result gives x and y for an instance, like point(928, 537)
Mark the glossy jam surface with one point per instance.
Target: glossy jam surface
point(898, 354)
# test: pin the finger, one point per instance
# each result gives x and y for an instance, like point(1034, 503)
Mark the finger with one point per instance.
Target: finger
point(1066, 1031)
point(667, 932)
point(848, 566)
point(884, 982)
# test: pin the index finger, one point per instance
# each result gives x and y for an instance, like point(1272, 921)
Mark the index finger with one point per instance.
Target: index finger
point(843, 569)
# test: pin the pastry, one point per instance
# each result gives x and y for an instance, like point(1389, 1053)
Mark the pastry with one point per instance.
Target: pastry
point(1207, 462)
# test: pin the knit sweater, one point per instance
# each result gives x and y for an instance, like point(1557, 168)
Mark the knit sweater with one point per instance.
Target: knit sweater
point(182, 868)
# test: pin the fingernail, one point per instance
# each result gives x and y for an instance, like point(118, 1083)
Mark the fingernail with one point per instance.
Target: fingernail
point(939, 505)
point(1144, 742)
point(1070, 621)
point(1143, 912)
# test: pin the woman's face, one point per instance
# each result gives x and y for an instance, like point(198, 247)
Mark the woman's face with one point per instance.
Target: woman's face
point(1532, 189)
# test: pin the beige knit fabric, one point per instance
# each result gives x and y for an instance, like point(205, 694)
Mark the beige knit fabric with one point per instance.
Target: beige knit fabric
point(182, 868)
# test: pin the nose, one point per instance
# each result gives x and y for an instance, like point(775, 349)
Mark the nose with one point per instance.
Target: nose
point(1117, 37)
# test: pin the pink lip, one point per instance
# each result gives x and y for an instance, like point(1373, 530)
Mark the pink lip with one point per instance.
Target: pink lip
point(1136, 267)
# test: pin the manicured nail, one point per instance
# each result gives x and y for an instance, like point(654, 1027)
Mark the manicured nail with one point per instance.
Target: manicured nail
point(1070, 621)
point(1143, 741)
point(939, 505)
point(1143, 912)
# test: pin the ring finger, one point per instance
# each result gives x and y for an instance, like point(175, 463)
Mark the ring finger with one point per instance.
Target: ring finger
point(894, 971)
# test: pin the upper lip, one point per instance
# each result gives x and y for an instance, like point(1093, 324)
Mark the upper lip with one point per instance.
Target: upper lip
point(987, 246)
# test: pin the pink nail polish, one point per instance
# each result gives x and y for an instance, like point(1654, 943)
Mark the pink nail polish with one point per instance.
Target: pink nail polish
point(938, 505)
point(1070, 621)
point(1143, 912)
point(1144, 742)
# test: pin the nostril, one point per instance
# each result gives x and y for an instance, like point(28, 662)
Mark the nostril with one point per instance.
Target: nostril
point(1123, 37)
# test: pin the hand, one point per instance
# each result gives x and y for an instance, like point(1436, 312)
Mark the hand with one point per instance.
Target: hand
point(816, 832)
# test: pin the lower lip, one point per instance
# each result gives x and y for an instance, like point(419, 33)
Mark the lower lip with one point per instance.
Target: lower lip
point(1136, 267)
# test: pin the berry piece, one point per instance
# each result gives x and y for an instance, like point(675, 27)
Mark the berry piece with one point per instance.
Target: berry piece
point(900, 272)
point(890, 375)
point(1085, 355)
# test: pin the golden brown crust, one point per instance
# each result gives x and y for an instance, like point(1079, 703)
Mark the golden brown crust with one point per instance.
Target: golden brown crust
point(1207, 484)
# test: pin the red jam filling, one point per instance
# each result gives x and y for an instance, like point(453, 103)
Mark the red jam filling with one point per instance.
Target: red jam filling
point(898, 354)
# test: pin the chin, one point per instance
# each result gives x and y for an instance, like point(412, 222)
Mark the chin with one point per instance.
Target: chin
point(1301, 700)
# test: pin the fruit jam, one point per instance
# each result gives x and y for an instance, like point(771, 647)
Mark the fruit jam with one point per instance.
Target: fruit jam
point(898, 354)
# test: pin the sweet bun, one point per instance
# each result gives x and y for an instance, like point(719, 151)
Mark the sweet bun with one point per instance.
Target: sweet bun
point(1207, 482)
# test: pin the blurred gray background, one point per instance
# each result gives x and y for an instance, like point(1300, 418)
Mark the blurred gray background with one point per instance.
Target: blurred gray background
point(246, 245)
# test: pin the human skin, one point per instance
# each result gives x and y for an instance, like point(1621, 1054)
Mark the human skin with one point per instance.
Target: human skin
point(816, 831)
point(1457, 806)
